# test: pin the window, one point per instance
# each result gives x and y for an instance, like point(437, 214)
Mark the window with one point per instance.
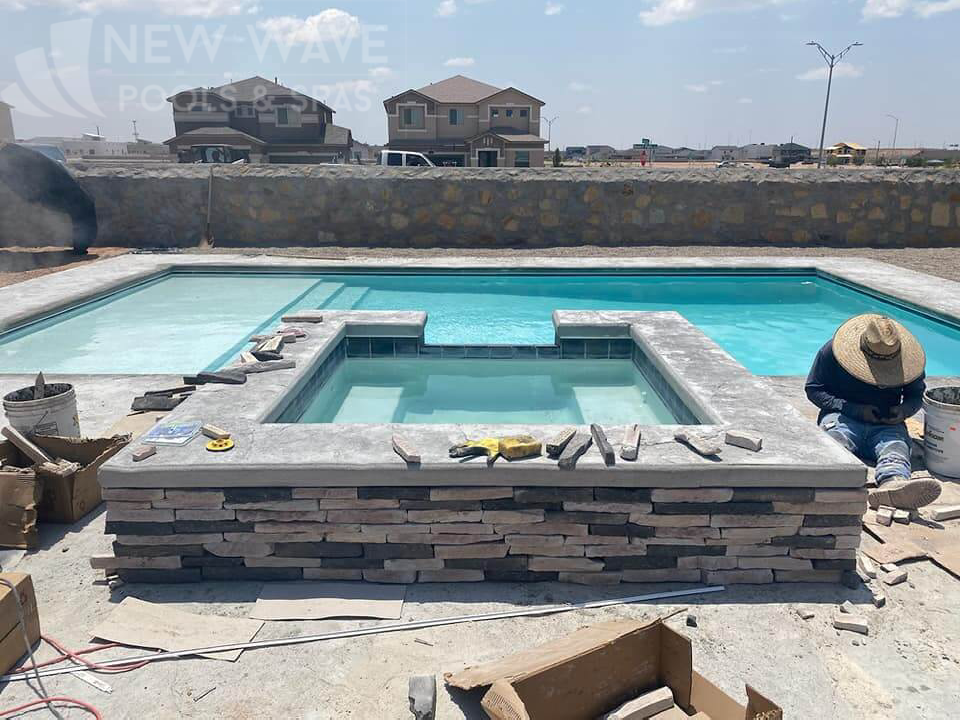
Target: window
point(523, 112)
point(416, 161)
point(412, 118)
point(394, 159)
point(494, 112)
point(522, 158)
point(245, 111)
point(283, 117)
point(456, 116)
point(509, 112)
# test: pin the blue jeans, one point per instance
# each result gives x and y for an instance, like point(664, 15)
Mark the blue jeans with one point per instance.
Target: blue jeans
point(888, 445)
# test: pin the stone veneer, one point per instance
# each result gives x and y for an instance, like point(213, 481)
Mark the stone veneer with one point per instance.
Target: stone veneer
point(589, 535)
point(150, 206)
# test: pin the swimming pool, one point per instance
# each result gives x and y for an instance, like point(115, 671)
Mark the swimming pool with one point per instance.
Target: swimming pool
point(184, 321)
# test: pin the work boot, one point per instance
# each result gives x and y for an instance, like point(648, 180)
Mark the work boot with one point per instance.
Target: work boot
point(904, 494)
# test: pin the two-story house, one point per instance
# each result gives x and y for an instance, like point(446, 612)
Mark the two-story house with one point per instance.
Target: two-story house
point(464, 122)
point(260, 121)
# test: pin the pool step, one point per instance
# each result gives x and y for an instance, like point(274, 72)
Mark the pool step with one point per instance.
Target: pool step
point(319, 295)
point(347, 297)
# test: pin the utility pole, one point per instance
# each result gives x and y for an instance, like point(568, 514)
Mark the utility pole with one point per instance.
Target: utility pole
point(831, 60)
point(896, 127)
point(549, 130)
point(136, 135)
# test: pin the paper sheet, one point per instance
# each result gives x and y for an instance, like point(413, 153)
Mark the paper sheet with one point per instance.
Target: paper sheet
point(320, 600)
point(163, 627)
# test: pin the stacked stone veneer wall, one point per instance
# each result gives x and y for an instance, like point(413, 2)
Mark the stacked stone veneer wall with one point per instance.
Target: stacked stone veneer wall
point(478, 207)
point(420, 534)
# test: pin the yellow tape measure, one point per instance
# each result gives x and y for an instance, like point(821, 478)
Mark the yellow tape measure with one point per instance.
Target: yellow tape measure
point(220, 445)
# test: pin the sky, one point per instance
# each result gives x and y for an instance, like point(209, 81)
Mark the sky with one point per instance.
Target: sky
point(679, 72)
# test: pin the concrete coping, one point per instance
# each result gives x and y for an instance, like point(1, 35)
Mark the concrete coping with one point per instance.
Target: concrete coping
point(716, 387)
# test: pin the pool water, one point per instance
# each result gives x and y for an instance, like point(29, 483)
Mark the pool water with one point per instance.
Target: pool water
point(549, 392)
point(184, 322)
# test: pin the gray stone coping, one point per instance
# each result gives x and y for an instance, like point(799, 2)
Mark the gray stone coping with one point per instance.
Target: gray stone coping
point(48, 294)
point(795, 452)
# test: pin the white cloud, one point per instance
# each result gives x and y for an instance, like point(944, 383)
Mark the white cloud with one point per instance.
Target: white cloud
point(447, 8)
point(880, 9)
point(841, 70)
point(553, 8)
point(460, 62)
point(584, 110)
point(745, 101)
point(665, 12)
point(184, 8)
point(576, 86)
point(697, 88)
point(381, 73)
point(330, 24)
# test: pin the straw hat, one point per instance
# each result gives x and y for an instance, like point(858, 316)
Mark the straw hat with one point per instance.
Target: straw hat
point(878, 351)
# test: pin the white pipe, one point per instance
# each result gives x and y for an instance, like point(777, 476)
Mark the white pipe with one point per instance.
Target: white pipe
point(376, 630)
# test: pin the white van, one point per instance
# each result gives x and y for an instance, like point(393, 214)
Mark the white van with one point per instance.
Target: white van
point(397, 158)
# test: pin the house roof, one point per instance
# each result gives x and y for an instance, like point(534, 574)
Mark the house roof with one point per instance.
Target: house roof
point(852, 146)
point(458, 89)
point(252, 89)
point(510, 135)
point(204, 133)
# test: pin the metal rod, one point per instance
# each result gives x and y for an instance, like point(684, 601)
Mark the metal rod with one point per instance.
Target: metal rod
point(378, 629)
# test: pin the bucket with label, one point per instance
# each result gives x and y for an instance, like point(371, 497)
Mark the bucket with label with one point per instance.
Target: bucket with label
point(43, 409)
point(941, 430)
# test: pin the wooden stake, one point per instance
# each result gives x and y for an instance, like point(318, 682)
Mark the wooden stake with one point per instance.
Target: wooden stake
point(631, 443)
point(603, 445)
point(25, 446)
point(559, 442)
point(576, 447)
point(38, 387)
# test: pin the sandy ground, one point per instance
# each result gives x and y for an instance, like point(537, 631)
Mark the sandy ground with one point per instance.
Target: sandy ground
point(18, 264)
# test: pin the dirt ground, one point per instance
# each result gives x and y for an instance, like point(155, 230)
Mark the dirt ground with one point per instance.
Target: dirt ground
point(22, 263)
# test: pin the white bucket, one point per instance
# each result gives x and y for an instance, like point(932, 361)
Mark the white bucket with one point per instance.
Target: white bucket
point(54, 414)
point(941, 430)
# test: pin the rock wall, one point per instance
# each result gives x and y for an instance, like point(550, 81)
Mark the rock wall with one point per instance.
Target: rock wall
point(165, 206)
point(595, 536)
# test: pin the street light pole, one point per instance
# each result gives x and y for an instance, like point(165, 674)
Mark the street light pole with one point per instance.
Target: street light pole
point(550, 130)
point(832, 60)
point(896, 127)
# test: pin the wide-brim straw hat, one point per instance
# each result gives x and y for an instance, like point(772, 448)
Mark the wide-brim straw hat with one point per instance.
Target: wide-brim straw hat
point(879, 351)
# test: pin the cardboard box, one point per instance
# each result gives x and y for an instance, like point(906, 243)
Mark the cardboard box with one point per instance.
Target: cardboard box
point(19, 495)
point(11, 636)
point(68, 498)
point(596, 669)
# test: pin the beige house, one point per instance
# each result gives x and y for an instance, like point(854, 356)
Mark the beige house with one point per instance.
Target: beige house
point(460, 121)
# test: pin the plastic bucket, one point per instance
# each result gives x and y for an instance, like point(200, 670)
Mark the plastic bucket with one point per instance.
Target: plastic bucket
point(941, 430)
point(54, 414)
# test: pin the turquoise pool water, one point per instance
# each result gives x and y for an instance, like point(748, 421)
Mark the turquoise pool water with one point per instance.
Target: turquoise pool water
point(184, 322)
point(426, 392)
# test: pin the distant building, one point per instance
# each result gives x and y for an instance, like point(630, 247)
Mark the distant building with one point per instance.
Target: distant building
point(791, 152)
point(463, 122)
point(846, 153)
point(89, 146)
point(260, 121)
point(146, 150)
point(600, 152)
point(724, 152)
point(573, 152)
point(758, 152)
point(6, 122)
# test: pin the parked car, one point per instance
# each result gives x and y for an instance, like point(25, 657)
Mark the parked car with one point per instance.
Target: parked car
point(726, 164)
point(398, 158)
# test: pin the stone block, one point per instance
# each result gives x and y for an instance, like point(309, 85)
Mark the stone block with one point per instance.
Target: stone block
point(858, 495)
point(256, 495)
point(544, 528)
point(805, 541)
point(792, 495)
point(392, 493)
point(815, 576)
point(201, 526)
point(661, 575)
point(738, 577)
point(547, 550)
point(824, 553)
point(416, 538)
point(894, 577)
point(718, 562)
point(560, 564)
point(154, 515)
point(645, 706)
point(206, 515)
point(742, 439)
point(484, 550)
point(640, 562)
point(629, 530)
point(774, 563)
point(534, 539)
point(588, 518)
point(607, 507)
point(338, 493)
point(110, 562)
point(156, 550)
point(681, 550)
point(344, 536)
point(756, 521)
point(460, 529)
point(317, 516)
point(132, 494)
point(450, 575)
point(727, 508)
point(255, 537)
point(235, 549)
point(752, 536)
point(352, 563)
point(622, 495)
point(695, 533)
point(367, 517)
point(835, 565)
point(507, 563)
point(444, 516)
point(847, 542)
point(190, 499)
point(311, 528)
point(358, 504)
point(553, 495)
point(211, 561)
point(815, 509)
point(318, 549)
point(242, 573)
point(692, 495)
point(396, 551)
point(597, 540)
point(657, 520)
point(658, 540)
point(756, 550)
point(272, 561)
point(401, 577)
point(413, 564)
point(885, 515)
point(854, 623)
point(150, 575)
point(947, 512)
point(287, 505)
point(438, 540)
point(843, 530)
point(600, 551)
point(138, 528)
point(332, 574)
point(591, 578)
point(471, 493)
point(512, 517)
point(120, 505)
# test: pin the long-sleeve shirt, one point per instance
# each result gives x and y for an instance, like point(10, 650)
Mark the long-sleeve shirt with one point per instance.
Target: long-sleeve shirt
point(833, 389)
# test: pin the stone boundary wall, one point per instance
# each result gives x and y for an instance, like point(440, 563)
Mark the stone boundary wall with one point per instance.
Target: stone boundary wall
point(256, 206)
point(596, 536)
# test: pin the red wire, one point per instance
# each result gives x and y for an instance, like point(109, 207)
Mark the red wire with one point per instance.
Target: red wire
point(46, 701)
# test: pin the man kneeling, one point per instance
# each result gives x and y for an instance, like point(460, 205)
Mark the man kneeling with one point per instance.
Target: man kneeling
point(867, 381)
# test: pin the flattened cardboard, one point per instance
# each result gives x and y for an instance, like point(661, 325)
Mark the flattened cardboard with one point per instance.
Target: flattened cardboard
point(11, 637)
point(162, 627)
point(596, 669)
point(19, 495)
point(321, 600)
point(67, 499)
